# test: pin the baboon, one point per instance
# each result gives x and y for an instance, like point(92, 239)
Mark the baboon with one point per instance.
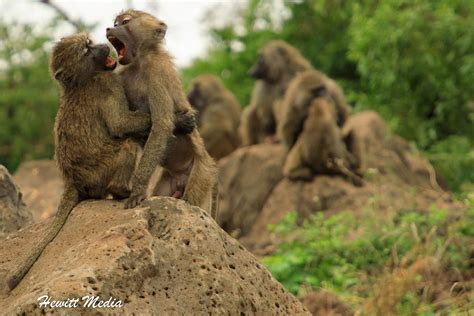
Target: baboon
point(297, 98)
point(218, 115)
point(309, 129)
point(92, 118)
point(152, 85)
point(277, 64)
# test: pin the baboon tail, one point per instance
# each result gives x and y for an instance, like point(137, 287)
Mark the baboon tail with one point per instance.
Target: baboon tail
point(69, 199)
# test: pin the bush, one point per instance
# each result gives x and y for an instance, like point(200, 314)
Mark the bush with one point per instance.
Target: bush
point(352, 256)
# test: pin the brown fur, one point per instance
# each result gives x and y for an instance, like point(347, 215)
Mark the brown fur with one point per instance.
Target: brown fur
point(152, 85)
point(277, 64)
point(296, 100)
point(319, 148)
point(93, 112)
point(309, 129)
point(218, 115)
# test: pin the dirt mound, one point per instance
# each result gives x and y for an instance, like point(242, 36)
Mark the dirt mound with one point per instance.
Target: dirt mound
point(395, 178)
point(13, 212)
point(42, 186)
point(163, 258)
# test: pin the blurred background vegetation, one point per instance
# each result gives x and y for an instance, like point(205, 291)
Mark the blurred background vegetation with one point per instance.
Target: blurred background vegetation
point(412, 61)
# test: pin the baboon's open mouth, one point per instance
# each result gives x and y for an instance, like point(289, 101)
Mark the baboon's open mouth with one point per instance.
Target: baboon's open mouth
point(118, 45)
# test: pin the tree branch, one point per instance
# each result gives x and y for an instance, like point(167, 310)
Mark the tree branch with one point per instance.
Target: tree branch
point(79, 25)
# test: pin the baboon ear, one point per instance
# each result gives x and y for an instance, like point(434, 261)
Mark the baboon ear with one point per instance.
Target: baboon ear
point(58, 74)
point(319, 91)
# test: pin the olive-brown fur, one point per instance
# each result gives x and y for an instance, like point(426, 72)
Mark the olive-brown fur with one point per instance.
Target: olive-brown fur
point(277, 64)
point(218, 114)
point(152, 84)
point(92, 118)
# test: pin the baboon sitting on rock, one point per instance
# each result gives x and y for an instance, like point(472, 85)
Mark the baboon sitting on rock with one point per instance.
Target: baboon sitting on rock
point(310, 131)
point(277, 64)
point(218, 115)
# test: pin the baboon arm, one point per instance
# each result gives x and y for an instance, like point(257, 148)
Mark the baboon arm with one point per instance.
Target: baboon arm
point(162, 115)
point(121, 121)
point(69, 200)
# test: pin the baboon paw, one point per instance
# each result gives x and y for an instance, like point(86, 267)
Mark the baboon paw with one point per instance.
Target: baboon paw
point(134, 200)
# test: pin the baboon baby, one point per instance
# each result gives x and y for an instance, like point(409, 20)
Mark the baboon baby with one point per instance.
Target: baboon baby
point(297, 98)
point(310, 132)
point(92, 117)
point(277, 64)
point(218, 115)
point(152, 85)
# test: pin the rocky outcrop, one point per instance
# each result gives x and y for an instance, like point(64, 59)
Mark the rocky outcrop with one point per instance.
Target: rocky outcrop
point(395, 178)
point(163, 258)
point(42, 186)
point(13, 212)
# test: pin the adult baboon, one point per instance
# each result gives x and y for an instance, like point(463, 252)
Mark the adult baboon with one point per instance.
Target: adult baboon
point(218, 115)
point(277, 64)
point(309, 129)
point(92, 117)
point(152, 85)
point(297, 98)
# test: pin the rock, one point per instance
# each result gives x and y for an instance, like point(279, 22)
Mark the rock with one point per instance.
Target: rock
point(395, 178)
point(163, 258)
point(42, 187)
point(13, 212)
point(326, 304)
point(246, 178)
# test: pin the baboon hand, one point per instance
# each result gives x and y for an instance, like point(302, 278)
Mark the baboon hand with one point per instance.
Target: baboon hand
point(134, 200)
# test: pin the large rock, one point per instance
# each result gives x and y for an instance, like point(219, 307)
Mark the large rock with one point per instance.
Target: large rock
point(42, 186)
point(396, 178)
point(13, 212)
point(246, 178)
point(164, 258)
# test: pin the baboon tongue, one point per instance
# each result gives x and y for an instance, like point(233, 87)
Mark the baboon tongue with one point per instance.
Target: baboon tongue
point(109, 62)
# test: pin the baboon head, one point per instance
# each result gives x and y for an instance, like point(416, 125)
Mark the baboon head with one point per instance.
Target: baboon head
point(306, 87)
point(135, 31)
point(203, 89)
point(276, 59)
point(75, 59)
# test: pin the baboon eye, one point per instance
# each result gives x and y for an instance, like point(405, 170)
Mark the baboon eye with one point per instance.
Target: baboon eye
point(125, 21)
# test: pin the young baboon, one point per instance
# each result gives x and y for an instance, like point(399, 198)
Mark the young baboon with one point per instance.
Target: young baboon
point(319, 148)
point(277, 64)
point(152, 85)
point(92, 117)
point(218, 115)
point(299, 95)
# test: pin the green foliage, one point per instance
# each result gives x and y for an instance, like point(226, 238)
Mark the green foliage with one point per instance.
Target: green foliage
point(28, 100)
point(348, 254)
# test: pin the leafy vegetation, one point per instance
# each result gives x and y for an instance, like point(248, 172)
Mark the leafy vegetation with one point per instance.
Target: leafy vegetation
point(401, 255)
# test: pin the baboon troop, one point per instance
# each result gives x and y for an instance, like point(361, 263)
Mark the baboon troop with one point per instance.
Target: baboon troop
point(218, 115)
point(113, 130)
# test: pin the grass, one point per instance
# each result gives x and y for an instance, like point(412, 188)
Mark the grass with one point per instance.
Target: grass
point(408, 262)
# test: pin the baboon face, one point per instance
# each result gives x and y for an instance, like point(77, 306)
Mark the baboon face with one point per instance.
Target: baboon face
point(270, 64)
point(75, 58)
point(202, 89)
point(134, 30)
